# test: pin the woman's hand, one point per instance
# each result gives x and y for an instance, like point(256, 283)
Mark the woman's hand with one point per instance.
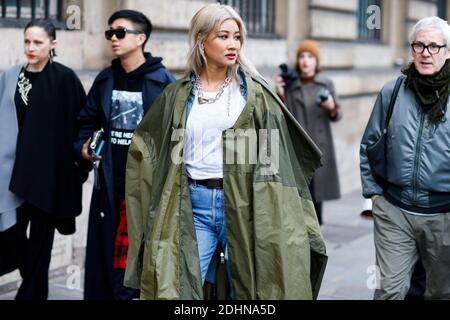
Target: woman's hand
point(330, 105)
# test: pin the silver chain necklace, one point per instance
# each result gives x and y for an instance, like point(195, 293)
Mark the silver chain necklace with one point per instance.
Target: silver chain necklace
point(201, 97)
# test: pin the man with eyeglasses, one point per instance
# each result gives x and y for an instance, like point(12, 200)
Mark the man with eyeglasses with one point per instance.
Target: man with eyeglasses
point(411, 200)
point(117, 102)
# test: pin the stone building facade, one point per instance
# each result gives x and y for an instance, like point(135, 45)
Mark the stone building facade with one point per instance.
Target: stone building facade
point(363, 43)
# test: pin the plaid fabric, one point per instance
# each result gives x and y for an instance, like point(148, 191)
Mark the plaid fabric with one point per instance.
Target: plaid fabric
point(121, 242)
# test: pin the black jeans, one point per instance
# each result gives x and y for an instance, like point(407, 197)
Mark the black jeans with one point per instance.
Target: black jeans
point(35, 251)
point(317, 205)
point(9, 254)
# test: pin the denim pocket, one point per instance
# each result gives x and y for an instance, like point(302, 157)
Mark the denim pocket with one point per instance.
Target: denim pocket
point(198, 193)
point(193, 189)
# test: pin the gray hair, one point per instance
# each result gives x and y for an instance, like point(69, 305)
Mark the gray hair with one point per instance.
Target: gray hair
point(208, 19)
point(431, 23)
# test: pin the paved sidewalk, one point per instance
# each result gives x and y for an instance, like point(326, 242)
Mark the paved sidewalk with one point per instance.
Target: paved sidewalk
point(350, 248)
point(65, 287)
point(349, 244)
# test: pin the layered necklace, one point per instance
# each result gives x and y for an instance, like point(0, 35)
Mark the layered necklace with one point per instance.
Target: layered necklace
point(24, 86)
point(203, 100)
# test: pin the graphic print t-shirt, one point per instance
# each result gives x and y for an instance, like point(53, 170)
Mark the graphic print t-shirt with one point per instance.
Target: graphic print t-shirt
point(126, 114)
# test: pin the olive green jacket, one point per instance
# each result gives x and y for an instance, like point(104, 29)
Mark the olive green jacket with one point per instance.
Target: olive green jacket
point(275, 246)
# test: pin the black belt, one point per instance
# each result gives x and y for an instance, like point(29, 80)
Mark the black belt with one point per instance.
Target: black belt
point(208, 183)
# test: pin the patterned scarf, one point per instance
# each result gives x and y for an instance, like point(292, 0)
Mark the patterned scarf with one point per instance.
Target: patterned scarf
point(431, 91)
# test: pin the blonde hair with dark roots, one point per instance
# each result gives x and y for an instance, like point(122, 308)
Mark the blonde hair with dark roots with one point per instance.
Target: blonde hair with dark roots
point(209, 19)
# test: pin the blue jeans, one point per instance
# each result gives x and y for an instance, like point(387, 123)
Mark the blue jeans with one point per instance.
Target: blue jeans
point(209, 222)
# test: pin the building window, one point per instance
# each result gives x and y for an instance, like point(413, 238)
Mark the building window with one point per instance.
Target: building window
point(258, 15)
point(369, 20)
point(16, 12)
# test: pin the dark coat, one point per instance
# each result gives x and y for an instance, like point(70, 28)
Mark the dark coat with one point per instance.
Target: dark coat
point(301, 102)
point(102, 219)
point(45, 172)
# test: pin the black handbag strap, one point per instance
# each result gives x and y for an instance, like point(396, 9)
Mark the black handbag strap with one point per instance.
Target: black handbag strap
point(392, 102)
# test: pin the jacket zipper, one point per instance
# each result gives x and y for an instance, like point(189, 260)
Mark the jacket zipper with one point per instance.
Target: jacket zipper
point(417, 158)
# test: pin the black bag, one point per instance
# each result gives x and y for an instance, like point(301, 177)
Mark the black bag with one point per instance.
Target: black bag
point(376, 153)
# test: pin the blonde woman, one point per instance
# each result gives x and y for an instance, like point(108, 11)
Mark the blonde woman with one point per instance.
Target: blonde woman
point(194, 204)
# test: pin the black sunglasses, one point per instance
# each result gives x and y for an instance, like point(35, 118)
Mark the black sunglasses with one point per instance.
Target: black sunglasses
point(120, 33)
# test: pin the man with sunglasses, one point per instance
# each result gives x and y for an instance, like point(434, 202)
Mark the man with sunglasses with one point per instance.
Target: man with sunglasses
point(411, 204)
point(117, 102)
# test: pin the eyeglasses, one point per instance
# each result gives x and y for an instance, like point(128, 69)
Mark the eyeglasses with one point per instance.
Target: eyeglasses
point(120, 33)
point(433, 48)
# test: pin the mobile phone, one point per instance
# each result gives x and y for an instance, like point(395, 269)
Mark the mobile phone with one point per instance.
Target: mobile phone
point(97, 143)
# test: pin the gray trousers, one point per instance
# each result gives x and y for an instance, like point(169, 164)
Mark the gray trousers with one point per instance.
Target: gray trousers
point(400, 239)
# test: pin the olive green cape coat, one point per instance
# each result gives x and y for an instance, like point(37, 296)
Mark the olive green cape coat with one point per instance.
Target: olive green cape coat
point(275, 246)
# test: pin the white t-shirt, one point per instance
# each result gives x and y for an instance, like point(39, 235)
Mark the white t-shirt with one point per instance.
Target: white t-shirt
point(203, 153)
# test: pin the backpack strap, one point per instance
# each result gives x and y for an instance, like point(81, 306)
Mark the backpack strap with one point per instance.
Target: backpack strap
point(392, 102)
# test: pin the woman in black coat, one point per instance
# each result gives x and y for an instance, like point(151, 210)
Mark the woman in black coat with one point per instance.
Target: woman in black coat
point(45, 100)
point(311, 99)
